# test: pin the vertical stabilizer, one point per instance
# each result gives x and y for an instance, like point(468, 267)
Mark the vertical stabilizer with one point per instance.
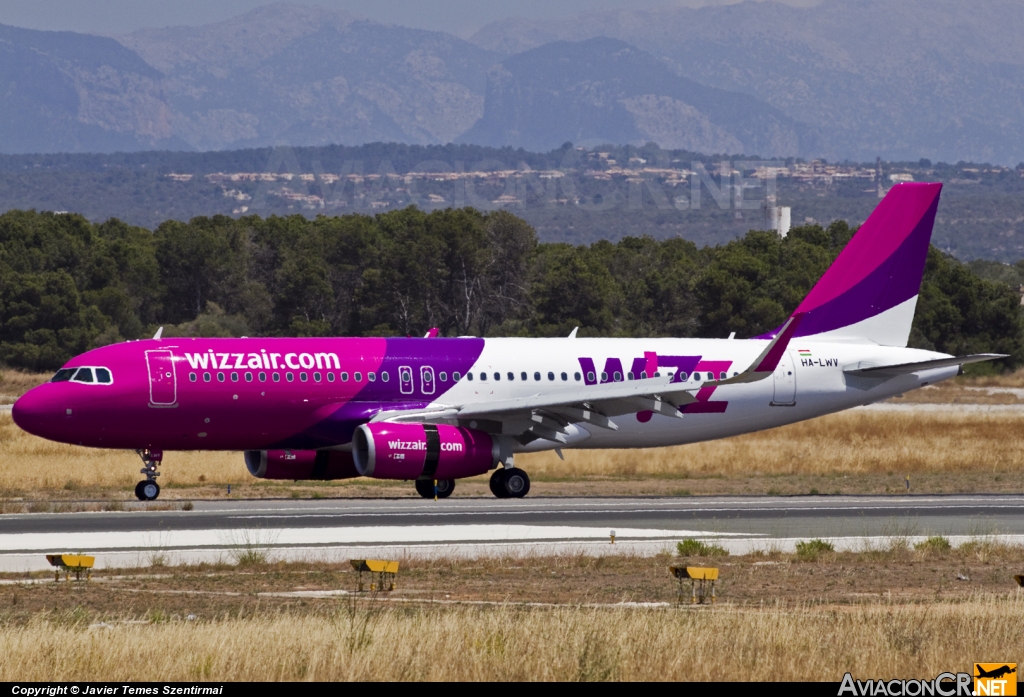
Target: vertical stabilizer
point(869, 293)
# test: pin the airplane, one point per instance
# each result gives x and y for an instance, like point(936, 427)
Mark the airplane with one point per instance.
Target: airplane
point(434, 410)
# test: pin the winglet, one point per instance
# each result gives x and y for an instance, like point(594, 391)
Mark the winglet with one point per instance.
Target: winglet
point(432, 333)
point(159, 333)
point(765, 364)
point(572, 334)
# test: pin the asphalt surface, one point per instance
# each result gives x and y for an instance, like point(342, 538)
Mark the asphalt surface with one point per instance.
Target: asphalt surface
point(781, 517)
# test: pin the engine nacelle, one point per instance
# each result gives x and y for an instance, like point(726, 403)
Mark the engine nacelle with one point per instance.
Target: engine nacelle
point(300, 464)
point(413, 451)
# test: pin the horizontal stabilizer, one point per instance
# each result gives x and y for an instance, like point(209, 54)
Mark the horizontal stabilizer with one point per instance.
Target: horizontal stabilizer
point(886, 371)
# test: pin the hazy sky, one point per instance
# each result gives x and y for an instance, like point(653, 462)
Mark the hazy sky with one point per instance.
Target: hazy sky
point(461, 17)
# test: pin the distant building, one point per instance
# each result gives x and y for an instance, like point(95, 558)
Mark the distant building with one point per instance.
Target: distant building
point(778, 218)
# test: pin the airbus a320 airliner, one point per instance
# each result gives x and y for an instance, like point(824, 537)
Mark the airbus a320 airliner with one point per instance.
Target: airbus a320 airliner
point(434, 410)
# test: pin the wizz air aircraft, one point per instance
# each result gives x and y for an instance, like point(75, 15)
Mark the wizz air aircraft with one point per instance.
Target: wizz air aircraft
point(433, 410)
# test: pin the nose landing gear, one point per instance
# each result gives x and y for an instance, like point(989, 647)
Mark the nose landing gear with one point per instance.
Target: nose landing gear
point(148, 489)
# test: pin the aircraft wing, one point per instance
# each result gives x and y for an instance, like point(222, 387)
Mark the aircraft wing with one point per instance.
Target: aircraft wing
point(545, 415)
point(889, 371)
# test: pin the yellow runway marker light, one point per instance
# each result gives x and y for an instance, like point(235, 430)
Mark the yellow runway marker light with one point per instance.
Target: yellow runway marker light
point(702, 582)
point(384, 570)
point(71, 563)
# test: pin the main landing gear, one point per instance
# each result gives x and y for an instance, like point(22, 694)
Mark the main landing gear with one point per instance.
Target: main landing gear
point(426, 488)
point(510, 483)
point(148, 489)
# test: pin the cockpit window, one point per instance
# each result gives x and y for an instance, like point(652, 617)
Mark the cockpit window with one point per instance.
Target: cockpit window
point(103, 376)
point(63, 375)
point(83, 375)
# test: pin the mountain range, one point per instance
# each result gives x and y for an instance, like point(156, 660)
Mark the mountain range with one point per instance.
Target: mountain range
point(939, 79)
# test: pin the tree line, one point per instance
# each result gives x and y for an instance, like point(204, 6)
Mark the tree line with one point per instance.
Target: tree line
point(67, 285)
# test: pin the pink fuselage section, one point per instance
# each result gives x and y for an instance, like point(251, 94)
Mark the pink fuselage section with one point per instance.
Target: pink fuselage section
point(238, 394)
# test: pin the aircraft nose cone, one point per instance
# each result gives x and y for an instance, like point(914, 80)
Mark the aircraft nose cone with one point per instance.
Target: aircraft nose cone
point(36, 412)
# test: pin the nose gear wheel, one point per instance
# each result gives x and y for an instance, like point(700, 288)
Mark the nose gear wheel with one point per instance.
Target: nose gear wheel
point(148, 489)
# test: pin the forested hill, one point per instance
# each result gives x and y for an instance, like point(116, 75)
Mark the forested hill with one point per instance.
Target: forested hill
point(570, 194)
point(67, 285)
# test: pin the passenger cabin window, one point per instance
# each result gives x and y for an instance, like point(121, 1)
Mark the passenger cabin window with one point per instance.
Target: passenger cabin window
point(497, 376)
point(372, 377)
point(577, 376)
point(330, 377)
point(511, 376)
point(443, 376)
point(565, 377)
point(483, 376)
point(536, 376)
point(523, 375)
point(83, 375)
point(358, 377)
point(551, 376)
point(456, 377)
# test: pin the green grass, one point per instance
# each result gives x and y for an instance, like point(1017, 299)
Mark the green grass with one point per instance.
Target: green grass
point(934, 544)
point(696, 548)
point(810, 550)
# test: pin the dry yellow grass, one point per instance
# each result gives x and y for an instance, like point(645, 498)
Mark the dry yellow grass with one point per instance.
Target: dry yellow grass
point(851, 443)
point(28, 462)
point(855, 442)
point(14, 383)
point(515, 643)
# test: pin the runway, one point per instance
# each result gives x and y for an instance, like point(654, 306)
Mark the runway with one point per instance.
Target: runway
point(340, 529)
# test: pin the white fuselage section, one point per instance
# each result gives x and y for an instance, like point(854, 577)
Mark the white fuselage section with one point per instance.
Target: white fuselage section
point(808, 382)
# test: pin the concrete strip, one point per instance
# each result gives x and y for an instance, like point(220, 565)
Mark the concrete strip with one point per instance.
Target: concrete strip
point(18, 562)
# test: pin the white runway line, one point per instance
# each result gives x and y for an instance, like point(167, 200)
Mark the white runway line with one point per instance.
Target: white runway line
point(312, 537)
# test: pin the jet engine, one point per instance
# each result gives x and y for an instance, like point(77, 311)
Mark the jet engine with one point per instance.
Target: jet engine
point(422, 451)
point(300, 464)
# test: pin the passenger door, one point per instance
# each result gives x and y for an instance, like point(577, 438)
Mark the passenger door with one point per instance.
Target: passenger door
point(163, 384)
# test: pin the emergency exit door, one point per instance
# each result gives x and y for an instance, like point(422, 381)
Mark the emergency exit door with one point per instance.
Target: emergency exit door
point(785, 382)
